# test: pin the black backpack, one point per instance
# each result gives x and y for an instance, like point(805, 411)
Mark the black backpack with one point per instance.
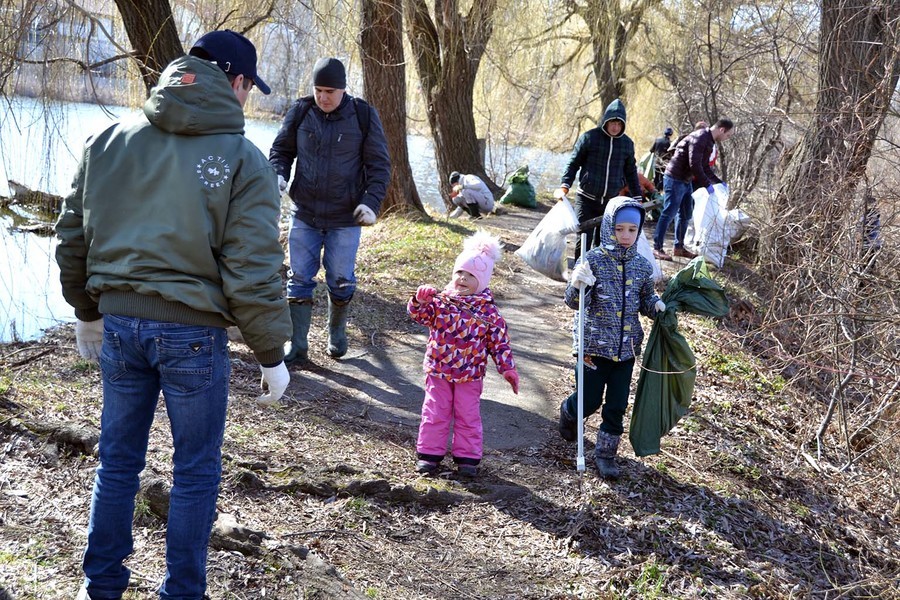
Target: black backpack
point(362, 116)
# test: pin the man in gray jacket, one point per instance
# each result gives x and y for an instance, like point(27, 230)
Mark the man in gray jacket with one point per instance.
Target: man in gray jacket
point(168, 236)
point(341, 177)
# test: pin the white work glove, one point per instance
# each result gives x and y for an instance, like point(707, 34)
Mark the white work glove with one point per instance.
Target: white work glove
point(560, 193)
point(364, 215)
point(582, 276)
point(660, 306)
point(282, 184)
point(276, 379)
point(89, 338)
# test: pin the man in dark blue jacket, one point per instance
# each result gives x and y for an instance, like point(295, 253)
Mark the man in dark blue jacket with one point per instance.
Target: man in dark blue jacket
point(603, 158)
point(341, 177)
point(689, 162)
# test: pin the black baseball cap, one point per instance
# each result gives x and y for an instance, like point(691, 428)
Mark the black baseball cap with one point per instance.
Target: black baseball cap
point(235, 54)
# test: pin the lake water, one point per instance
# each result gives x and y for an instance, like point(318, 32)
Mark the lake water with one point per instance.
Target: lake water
point(40, 146)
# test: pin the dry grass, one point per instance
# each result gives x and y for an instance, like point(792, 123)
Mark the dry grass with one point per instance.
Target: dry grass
point(730, 509)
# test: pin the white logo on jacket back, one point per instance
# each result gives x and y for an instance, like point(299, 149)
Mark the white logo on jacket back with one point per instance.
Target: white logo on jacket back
point(213, 171)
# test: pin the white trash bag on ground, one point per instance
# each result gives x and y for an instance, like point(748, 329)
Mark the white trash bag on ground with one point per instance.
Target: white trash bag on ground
point(712, 226)
point(545, 248)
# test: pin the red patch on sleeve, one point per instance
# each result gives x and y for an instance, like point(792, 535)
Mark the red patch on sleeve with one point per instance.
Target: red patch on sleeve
point(188, 78)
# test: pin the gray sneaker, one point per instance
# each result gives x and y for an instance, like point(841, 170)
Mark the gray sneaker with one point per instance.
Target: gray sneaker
point(427, 467)
point(467, 470)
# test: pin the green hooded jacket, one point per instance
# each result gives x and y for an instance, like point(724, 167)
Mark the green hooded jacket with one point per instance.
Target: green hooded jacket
point(173, 216)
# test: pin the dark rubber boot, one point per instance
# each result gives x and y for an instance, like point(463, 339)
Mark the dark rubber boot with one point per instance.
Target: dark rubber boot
point(605, 455)
point(474, 211)
point(337, 327)
point(297, 349)
point(568, 427)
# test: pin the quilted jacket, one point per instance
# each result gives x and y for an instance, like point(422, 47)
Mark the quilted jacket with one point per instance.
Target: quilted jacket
point(624, 288)
point(464, 331)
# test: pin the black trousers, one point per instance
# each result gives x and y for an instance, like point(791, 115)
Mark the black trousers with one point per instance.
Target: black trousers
point(610, 379)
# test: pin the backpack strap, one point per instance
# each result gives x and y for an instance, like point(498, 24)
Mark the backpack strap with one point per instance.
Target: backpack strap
point(305, 103)
point(363, 115)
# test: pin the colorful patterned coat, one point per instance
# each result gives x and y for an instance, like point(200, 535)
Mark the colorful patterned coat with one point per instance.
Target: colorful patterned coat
point(463, 332)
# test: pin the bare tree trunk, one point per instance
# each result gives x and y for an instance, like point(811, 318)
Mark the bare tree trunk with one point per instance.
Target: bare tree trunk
point(612, 26)
point(858, 72)
point(448, 51)
point(384, 82)
point(151, 30)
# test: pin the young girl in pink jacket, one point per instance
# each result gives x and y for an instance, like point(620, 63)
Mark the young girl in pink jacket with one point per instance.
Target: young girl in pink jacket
point(465, 328)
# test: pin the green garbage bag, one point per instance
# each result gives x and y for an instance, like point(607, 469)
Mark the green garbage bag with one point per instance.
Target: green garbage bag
point(520, 191)
point(666, 382)
point(647, 165)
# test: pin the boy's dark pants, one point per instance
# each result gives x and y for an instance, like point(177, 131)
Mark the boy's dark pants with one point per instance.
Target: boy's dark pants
point(615, 379)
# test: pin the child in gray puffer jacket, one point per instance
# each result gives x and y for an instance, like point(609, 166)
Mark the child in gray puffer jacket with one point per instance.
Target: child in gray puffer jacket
point(618, 285)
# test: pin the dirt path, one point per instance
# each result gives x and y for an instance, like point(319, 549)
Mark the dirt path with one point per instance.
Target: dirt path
point(383, 374)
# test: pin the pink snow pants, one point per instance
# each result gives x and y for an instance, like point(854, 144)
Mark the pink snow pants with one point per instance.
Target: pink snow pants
point(456, 403)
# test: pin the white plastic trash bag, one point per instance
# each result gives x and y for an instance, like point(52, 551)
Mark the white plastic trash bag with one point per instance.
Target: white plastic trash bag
point(713, 226)
point(545, 248)
point(645, 250)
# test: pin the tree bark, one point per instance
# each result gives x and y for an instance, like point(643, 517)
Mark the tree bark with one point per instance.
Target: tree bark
point(447, 52)
point(612, 26)
point(151, 30)
point(384, 84)
point(858, 73)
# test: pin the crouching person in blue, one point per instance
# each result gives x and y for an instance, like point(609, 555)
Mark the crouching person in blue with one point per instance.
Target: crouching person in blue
point(618, 284)
point(169, 236)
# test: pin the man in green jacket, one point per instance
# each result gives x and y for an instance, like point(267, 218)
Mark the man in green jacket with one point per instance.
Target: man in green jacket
point(168, 236)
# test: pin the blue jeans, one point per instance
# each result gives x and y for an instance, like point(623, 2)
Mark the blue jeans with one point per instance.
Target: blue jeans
point(190, 365)
point(678, 204)
point(305, 245)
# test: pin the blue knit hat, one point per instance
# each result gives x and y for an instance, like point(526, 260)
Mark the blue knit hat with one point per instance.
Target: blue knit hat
point(628, 214)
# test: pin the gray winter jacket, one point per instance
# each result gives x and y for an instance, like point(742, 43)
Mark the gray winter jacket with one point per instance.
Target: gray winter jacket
point(624, 288)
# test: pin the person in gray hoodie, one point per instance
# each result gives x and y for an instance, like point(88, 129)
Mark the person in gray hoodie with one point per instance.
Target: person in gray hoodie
point(168, 236)
point(603, 159)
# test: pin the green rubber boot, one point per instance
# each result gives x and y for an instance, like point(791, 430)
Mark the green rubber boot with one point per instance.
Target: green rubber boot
point(297, 349)
point(337, 327)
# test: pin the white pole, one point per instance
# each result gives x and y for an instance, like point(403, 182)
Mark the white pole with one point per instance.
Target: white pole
point(579, 459)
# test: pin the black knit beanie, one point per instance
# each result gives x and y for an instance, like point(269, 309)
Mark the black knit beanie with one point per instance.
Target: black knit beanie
point(329, 73)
